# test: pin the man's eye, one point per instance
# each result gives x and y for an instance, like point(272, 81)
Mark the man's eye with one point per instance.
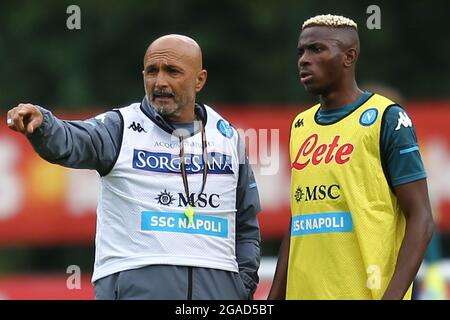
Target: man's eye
point(316, 49)
point(173, 71)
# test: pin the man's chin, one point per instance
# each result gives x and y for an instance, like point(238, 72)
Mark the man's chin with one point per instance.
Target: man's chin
point(166, 111)
point(162, 107)
point(312, 90)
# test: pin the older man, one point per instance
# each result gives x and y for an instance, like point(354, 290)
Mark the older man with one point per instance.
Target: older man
point(176, 217)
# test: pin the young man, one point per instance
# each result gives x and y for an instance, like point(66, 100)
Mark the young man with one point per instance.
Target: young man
point(361, 217)
point(178, 201)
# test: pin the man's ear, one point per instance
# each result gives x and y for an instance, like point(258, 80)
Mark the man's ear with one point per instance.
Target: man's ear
point(350, 57)
point(201, 80)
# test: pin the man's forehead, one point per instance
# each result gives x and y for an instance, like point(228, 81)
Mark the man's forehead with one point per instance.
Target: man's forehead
point(169, 57)
point(165, 55)
point(171, 51)
point(319, 34)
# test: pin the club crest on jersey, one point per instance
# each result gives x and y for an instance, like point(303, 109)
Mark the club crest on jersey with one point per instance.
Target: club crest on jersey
point(368, 117)
point(224, 128)
point(311, 152)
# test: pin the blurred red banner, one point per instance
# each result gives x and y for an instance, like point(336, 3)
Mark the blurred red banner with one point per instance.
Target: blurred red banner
point(41, 203)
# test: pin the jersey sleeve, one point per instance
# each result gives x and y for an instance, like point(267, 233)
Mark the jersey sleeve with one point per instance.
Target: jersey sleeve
point(248, 238)
point(90, 144)
point(400, 153)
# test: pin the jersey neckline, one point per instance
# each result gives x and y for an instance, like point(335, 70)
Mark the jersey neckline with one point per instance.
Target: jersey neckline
point(352, 107)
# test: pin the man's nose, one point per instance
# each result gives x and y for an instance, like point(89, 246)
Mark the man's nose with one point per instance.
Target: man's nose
point(303, 59)
point(161, 80)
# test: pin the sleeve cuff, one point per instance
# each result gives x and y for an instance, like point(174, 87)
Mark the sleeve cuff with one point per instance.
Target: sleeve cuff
point(250, 285)
point(408, 179)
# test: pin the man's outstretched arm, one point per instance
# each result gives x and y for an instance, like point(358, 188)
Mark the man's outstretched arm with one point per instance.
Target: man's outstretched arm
point(89, 144)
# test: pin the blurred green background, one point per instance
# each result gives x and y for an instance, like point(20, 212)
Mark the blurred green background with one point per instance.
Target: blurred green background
point(249, 48)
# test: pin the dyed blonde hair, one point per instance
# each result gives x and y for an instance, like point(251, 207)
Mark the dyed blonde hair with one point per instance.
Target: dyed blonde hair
point(329, 20)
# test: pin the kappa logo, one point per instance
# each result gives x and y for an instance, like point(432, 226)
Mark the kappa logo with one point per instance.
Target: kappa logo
point(101, 117)
point(299, 123)
point(403, 120)
point(136, 127)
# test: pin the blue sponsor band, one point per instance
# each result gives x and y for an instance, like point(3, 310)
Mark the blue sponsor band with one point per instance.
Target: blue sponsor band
point(177, 222)
point(321, 223)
